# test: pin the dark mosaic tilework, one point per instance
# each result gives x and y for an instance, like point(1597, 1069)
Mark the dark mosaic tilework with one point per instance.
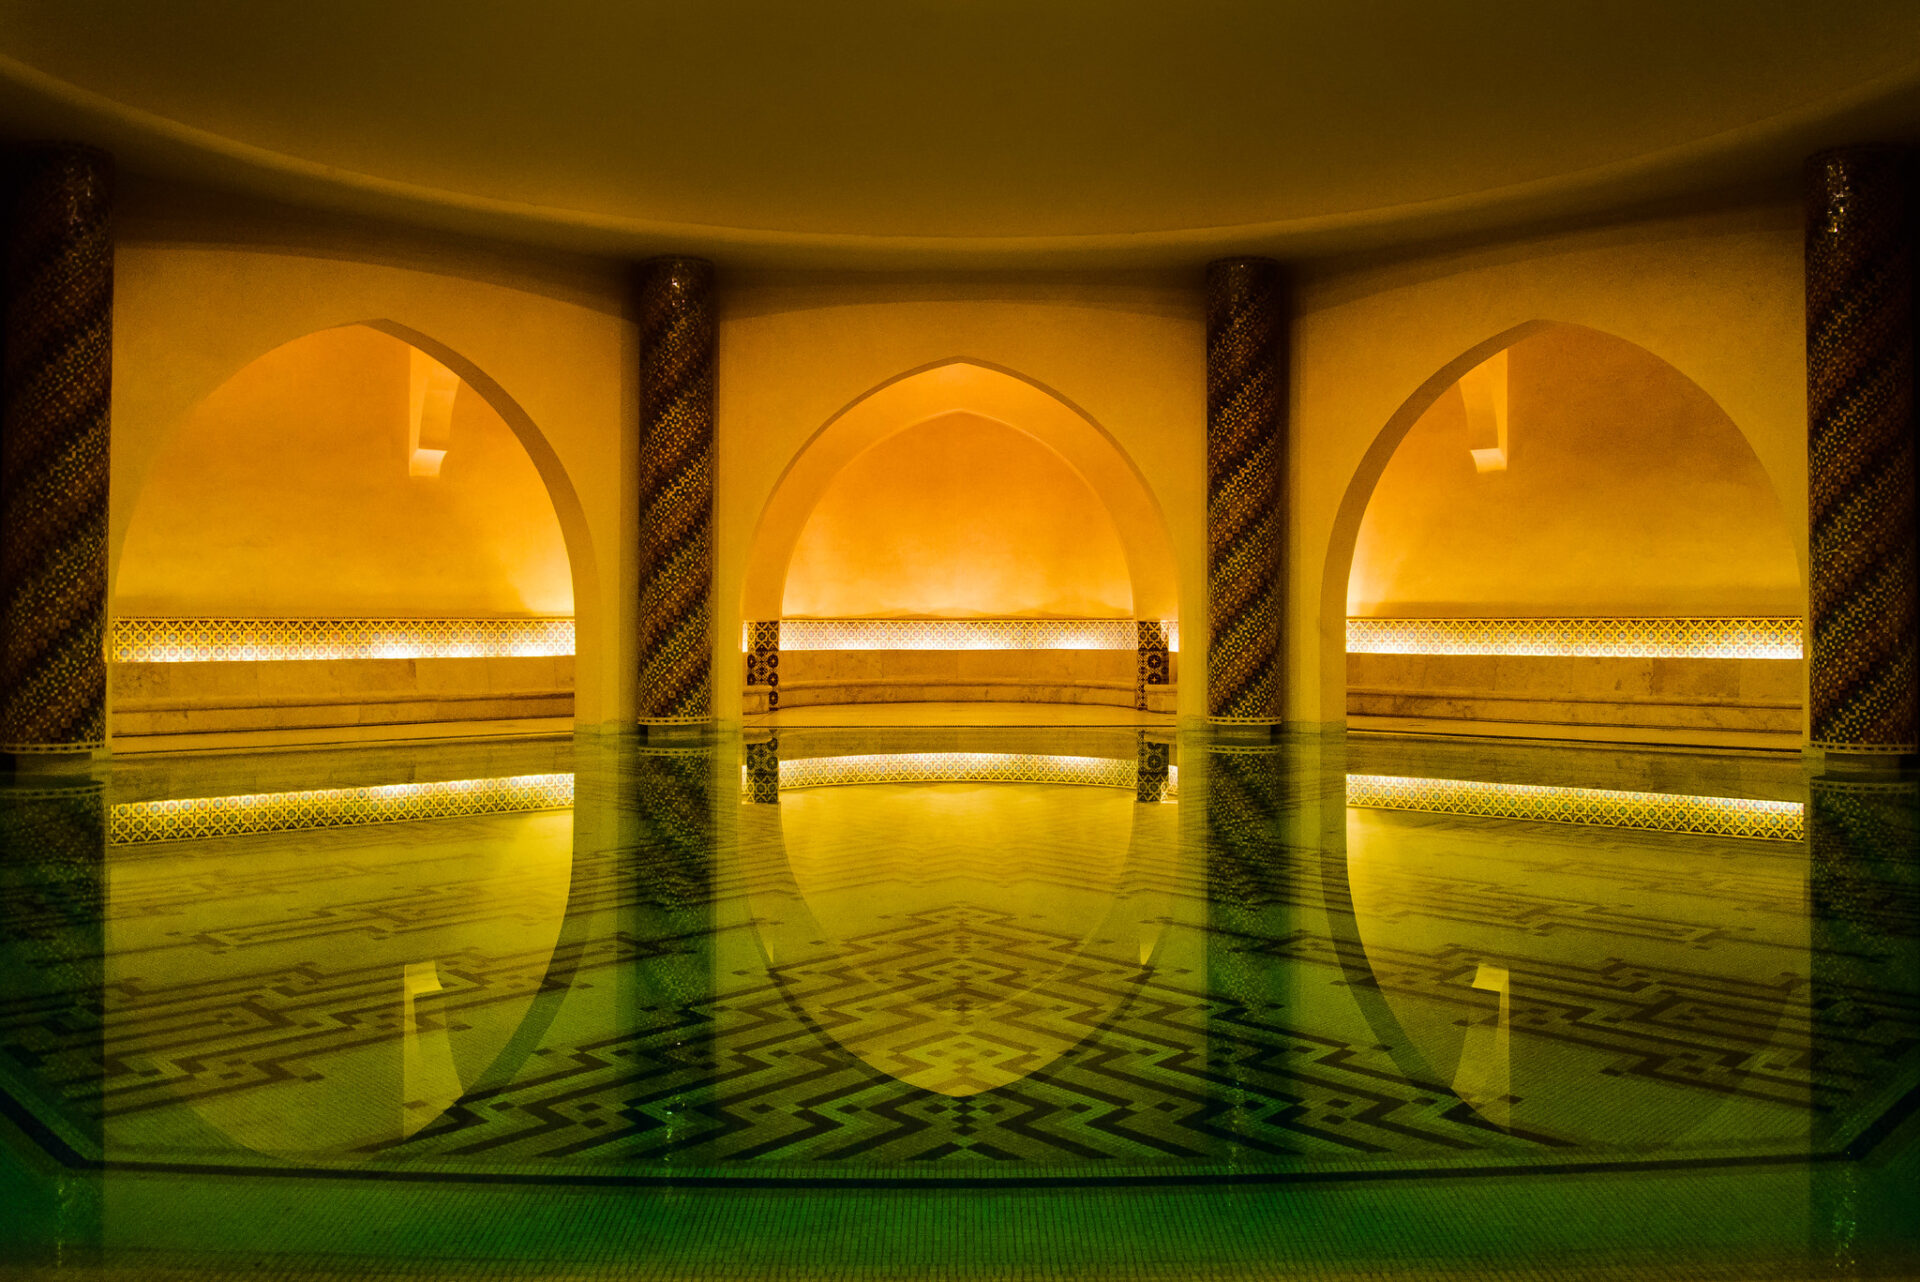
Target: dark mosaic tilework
point(1246, 451)
point(677, 353)
point(1156, 662)
point(1864, 585)
point(57, 385)
point(763, 658)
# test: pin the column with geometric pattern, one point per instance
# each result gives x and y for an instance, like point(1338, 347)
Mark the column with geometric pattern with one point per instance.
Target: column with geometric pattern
point(1246, 456)
point(677, 346)
point(55, 378)
point(1864, 584)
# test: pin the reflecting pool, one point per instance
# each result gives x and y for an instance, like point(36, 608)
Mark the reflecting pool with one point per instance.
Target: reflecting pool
point(1073, 1001)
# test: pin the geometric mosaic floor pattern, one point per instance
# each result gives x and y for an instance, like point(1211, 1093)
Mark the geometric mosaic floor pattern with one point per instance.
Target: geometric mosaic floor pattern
point(686, 979)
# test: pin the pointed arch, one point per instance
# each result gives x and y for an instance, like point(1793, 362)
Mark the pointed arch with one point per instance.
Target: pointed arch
point(964, 384)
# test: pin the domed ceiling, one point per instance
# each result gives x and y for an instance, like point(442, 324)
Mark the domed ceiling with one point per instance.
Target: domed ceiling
point(964, 130)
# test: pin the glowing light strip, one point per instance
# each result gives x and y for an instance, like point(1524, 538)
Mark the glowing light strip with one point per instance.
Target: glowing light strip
point(1580, 638)
point(964, 634)
point(135, 823)
point(243, 640)
point(967, 767)
point(1654, 811)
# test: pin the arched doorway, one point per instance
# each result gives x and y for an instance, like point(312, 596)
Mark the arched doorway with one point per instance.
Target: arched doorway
point(348, 497)
point(960, 534)
point(1561, 536)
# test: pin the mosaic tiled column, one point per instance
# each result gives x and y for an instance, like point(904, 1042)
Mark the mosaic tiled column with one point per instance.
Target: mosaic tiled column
point(56, 378)
point(1864, 667)
point(1246, 454)
point(677, 345)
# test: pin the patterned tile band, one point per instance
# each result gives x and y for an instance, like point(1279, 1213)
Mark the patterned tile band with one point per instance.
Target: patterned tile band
point(1656, 811)
point(240, 640)
point(1864, 680)
point(1246, 449)
point(761, 643)
point(135, 823)
point(677, 345)
point(56, 378)
point(968, 767)
point(959, 634)
point(1582, 638)
point(1155, 660)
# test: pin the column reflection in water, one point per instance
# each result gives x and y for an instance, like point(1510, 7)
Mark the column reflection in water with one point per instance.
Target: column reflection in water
point(1863, 837)
point(53, 898)
point(1242, 797)
point(668, 1016)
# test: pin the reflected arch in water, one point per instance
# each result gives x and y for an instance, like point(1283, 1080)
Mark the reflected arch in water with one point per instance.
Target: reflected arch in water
point(340, 1039)
point(960, 936)
point(1491, 970)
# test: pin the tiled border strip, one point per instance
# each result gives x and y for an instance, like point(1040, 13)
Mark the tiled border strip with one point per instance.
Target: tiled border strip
point(1601, 807)
point(240, 640)
point(963, 634)
point(1580, 638)
point(967, 767)
point(139, 822)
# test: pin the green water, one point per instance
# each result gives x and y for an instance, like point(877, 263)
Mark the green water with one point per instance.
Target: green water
point(1060, 1002)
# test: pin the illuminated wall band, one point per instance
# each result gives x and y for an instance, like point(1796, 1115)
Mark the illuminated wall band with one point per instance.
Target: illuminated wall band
point(1601, 807)
point(968, 767)
point(139, 822)
point(964, 634)
point(259, 640)
point(1580, 638)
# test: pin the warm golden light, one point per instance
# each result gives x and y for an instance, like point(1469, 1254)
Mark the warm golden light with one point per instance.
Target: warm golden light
point(966, 767)
point(134, 823)
point(959, 515)
point(276, 640)
point(1602, 807)
point(964, 634)
point(1773, 638)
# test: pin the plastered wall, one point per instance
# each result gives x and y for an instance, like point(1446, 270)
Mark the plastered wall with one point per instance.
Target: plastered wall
point(1718, 298)
point(1625, 491)
point(1127, 353)
point(958, 517)
point(287, 492)
point(200, 296)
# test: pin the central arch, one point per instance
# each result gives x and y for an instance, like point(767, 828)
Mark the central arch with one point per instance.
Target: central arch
point(961, 385)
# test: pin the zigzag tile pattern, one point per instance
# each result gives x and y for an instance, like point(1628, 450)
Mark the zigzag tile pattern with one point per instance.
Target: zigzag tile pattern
point(1229, 1002)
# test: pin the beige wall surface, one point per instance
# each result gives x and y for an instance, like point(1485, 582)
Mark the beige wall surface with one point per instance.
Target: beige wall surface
point(287, 493)
point(958, 517)
point(1626, 492)
point(197, 302)
point(1718, 298)
point(797, 354)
